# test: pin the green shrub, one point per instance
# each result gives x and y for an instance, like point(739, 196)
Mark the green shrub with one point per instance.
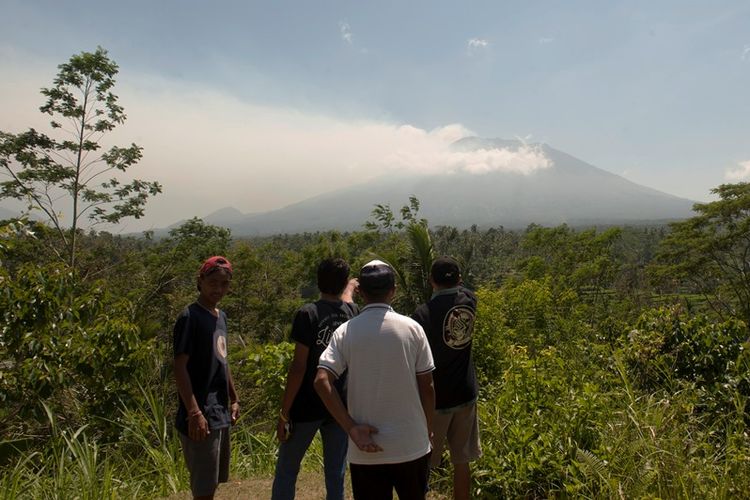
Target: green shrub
point(669, 350)
point(533, 422)
point(260, 372)
point(70, 343)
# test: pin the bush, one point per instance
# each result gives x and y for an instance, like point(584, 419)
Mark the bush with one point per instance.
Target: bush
point(70, 343)
point(534, 420)
point(260, 376)
point(669, 350)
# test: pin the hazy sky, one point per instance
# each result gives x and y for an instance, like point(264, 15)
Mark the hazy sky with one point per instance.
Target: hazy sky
point(260, 104)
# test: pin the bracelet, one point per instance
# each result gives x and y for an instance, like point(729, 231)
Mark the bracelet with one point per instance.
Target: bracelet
point(195, 414)
point(283, 418)
point(235, 402)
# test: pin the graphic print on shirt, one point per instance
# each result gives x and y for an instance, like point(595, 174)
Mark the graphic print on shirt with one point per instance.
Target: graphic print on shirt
point(327, 325)
point(324, 336)
point(458, 327)
point(220, 344)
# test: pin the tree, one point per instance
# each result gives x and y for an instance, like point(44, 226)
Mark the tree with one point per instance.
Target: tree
point(265, 290)
point(411, 257)
point(69, 343)
point(48, 173)
point(711, 251)
point(163, 281)
point(583, 261)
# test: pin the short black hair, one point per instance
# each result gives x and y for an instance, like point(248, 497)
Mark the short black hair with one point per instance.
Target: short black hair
point(333, 275)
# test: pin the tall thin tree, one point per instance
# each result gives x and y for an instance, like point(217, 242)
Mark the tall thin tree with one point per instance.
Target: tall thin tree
point(68, 178)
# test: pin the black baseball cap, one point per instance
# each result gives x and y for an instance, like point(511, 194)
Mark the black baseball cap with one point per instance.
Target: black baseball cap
point(445, 271)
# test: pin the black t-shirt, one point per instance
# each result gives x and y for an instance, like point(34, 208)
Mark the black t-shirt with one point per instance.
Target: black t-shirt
point(313, 327)
point(203, 337)
point(448, 321)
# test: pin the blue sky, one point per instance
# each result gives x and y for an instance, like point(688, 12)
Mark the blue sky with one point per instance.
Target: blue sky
point(287, 100)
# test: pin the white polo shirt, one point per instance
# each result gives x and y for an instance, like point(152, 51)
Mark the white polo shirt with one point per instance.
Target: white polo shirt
point(384, 352)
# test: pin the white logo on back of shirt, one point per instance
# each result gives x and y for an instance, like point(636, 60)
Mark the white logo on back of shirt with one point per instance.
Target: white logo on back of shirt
point(458, 327)
point(324, 336)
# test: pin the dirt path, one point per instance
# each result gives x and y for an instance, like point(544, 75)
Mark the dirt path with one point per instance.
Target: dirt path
point(309, 487)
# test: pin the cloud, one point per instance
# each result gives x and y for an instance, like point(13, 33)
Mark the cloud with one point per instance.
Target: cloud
point(545, 40)
point(740, 173)
point(434, 155)
point(346, 32)
point(212, 150)
point(477, 43)
point(745, 53)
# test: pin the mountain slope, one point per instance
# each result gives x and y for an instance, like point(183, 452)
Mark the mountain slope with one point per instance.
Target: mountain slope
point(569, 191)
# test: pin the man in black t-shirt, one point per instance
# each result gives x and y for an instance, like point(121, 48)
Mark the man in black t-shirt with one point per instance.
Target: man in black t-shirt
point(448, 321)
point(302, 412)
point(207, 398)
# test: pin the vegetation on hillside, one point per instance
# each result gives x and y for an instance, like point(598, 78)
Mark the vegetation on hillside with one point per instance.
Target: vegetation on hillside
point(613, 362)
point(599, 378)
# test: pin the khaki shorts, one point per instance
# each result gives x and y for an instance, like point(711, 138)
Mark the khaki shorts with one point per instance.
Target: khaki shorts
point(461, 430)
point(207, 461)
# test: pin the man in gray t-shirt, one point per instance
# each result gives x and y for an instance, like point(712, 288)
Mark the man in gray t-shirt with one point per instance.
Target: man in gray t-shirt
point(390, 398)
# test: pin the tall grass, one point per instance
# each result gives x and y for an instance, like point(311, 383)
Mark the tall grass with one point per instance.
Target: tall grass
point(599, 437)
point(70, 465)
point(254, 453)
point(657, 444)
point(74, 464)
point(16, 480)
point(545, 434)
point(146, 461)
point(149, 442)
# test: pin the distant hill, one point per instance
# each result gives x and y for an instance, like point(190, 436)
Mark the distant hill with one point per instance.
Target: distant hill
point(225, 216)
point(569, 191)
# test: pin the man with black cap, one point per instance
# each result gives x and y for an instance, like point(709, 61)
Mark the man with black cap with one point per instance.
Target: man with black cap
point(448, 321)
point(390, 398)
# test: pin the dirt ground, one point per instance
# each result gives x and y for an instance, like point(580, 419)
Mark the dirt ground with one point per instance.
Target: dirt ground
point(309, 487)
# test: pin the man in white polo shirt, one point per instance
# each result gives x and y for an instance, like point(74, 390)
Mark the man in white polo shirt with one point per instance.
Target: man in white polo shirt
point(390, 398)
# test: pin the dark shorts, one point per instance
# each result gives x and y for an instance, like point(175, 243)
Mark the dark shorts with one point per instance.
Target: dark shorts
point(207, 461)
point(377, 482)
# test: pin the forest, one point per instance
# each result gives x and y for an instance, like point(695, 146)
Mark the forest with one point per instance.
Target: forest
point(613, 361)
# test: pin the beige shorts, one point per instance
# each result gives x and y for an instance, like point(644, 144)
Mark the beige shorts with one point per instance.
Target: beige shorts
point(461, 430)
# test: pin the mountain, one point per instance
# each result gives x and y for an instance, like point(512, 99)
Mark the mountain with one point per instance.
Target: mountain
point(568, 191)
point(224, 217)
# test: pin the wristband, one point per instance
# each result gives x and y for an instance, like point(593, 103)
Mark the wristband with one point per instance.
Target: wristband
point(195, 414)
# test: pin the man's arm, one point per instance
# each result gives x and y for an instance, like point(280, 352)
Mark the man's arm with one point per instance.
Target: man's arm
point(294, 378)
point(361, 434)
point(427, 397)
point(197, 423)
point(352, 287)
